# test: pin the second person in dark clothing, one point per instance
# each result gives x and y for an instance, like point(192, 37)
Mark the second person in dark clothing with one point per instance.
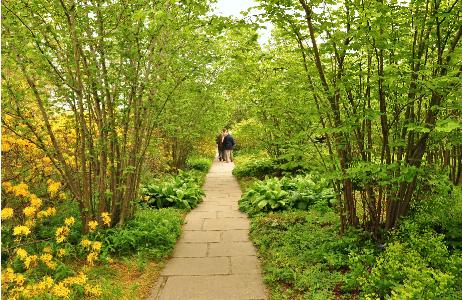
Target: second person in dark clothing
point(221, 149)
point(228, 144)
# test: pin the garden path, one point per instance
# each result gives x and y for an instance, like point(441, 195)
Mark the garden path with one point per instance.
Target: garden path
point(214, 258)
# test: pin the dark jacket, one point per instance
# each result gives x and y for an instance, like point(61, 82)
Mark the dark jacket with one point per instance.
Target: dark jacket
point(220, 142)
point(228, 142)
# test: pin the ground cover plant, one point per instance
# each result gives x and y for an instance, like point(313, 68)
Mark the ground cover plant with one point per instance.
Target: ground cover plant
point(304, 257)
point(275, 194)
point(251, 165)
point(182, 191)
point(199, 163)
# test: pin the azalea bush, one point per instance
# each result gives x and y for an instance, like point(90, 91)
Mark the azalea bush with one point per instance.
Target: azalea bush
point(36, 249)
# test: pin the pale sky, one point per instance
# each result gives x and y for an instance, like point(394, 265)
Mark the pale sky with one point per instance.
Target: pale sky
point(233, 8)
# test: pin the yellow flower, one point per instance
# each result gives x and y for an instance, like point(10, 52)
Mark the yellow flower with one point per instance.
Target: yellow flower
point(7, 186)
point(61, 252)
point(42, 214)
point(46, 283)
point(80, 279)
point(29, 211)
point(47, 259)
point(21, 253)
point(59, 290)
point(62, 196)
point(29, 291)
point(48, 170)
point(7, 213)
point(47, 249)
point(61, 234)
point(29, 223)
point(91, 257)
point(69, 221)
point(8, 275)
point(21, 190)
point(85, 243)
point(35, 201)
point(93, 290)
point(21, 230)
point(92, 225)
point(106, 218)
point(19, 278)
point(31, 259)
point(51, 211)
point(5, 146)
point(96, 246)
point(53, 187)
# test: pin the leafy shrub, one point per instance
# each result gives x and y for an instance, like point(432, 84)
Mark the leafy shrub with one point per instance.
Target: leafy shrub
point(292, 160)
point(432, 213)
point(251, 166)
point(182, 191)
point(274, 194)
point(199, 163)
point(418, 269)
point(415, 264)
point(250, 134)
point(152, 231)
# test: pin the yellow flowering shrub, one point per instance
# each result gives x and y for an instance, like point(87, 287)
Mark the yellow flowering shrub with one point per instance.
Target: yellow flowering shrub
point(7, 213)
point(105, 217)
point(21, 230)
point(29, 211)
point(53, 187)
point(31, 263)
point(36, 241)
point(92, 225)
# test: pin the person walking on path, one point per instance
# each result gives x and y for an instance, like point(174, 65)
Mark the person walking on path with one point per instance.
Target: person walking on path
point(221, 148)
point(228, 144)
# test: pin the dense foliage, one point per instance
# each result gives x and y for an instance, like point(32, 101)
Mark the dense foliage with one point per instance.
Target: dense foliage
point(305, 258)
point(300, 192)
point(153, 232)
point(100, 98)
point(182, 191)
point(366, 91)
point(199, 163)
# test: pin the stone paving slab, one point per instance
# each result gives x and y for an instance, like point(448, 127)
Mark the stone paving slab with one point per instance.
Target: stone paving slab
point(197, 215)
point(183, 249)
point(197, 266)
point(225, 287)
point(235, 236)
point(231, 249)
point(226, 224)
point(202, 236)
point(214, 258)
point(193, 224)
point(245, 265)
point(230, 214)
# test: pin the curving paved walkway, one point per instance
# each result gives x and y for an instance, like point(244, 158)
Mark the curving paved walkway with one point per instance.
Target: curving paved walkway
point(214, 258)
